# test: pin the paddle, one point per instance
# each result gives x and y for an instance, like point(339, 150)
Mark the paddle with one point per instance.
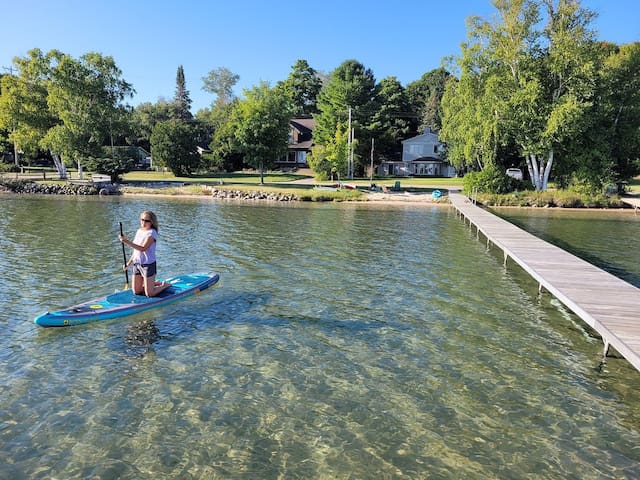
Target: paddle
point(124, 257)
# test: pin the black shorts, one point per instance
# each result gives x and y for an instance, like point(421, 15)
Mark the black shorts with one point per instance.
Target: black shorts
point(146, 269)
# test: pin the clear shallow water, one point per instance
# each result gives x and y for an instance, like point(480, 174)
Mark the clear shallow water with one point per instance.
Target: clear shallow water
point(609, 239)
point(344, 341)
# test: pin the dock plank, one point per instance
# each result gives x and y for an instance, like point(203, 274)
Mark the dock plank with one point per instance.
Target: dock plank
point(603, 301)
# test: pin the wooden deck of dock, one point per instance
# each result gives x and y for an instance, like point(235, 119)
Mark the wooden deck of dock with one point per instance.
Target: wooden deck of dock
point(633, 201)
point(606, 303)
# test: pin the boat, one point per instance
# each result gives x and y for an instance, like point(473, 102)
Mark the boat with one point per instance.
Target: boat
point(125, 302)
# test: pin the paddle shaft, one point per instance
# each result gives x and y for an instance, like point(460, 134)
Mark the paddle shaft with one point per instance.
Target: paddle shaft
point(124, 257)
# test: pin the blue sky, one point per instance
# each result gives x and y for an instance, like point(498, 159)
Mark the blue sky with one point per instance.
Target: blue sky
point(260, 40)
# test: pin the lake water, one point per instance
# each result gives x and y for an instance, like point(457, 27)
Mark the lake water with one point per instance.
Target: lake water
point(344, 341)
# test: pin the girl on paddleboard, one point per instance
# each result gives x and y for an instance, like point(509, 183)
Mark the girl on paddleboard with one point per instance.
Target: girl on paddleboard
point(143, 257)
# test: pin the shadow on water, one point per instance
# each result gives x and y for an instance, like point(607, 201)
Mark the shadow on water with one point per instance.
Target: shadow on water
point(148, 332)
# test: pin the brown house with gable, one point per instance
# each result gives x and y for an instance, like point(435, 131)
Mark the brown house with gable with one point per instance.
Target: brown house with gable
point(300, 142)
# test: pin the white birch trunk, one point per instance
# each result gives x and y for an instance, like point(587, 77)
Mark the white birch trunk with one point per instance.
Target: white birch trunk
point(547, 170)
point(537, 174)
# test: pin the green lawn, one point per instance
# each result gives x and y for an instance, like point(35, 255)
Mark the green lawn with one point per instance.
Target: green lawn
point(276, 178)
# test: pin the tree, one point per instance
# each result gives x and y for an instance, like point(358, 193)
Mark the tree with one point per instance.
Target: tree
point(518, 83)
point(331, 159)
point(181, 101)
point(145, 116)
point(225, 149)
point(303, 86)
point(351, 87)
point(618, 112)
point(85, 95)
point(425, 95)
point(392, 122)
point(220, 82)
point(24, 112)
point(173, 146)
point(263, 126)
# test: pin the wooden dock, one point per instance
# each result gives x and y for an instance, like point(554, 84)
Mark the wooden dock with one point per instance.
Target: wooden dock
point(606, 303)
point(633, 201)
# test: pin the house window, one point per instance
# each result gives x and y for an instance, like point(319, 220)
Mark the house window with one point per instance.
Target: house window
point(435, 149)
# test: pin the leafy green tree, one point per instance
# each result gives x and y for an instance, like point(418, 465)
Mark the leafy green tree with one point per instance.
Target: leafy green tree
point(220, 82)
point(518, 83)
point(425, 95)
point(226, 152)
point(303, 86)
point(24, 113)
point(392, 122)
point(173, 146)
point(114, 165)
point(85, 95)
point(351, 87)
point(145, 116)
point(182, 101)
point(263, 126)
point(331, 160)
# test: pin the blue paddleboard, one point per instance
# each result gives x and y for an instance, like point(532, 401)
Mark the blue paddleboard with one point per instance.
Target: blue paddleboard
point(125, 303)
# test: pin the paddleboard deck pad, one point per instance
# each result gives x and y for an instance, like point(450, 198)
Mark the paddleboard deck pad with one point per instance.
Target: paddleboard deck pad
point(125, 303)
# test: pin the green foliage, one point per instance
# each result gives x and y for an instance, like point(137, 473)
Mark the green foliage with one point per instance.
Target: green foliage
point(262, 130)
point(425, 96)
point(319, 163)
point(85, 94)
point(181, 101)
point(351, 86)
point(392, 122)
point(113, 166)
point(521, 85)
point(550, 198)
point(302, 87)
point(220, 82)
point(145, 116)
point(225, 148)
point(491, 179)
point(173, 145)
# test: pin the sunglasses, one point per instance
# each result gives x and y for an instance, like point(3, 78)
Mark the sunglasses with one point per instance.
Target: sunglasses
point(145, 220)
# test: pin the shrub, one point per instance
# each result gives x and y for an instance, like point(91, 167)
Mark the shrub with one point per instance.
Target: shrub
point(490, 179)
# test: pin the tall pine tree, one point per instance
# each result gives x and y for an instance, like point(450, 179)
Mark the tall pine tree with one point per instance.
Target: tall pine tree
point(181, 101)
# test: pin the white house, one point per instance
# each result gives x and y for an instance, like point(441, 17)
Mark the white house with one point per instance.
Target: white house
point(420, 156)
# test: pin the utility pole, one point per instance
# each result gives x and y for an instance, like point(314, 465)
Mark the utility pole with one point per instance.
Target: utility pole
point(371, 173)
point(349, 139)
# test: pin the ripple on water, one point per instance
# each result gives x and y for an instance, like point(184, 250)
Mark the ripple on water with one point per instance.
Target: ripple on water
point(342, 342)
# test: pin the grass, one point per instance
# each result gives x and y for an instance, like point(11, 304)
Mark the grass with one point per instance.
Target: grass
point(550, 198)
point(212, 178)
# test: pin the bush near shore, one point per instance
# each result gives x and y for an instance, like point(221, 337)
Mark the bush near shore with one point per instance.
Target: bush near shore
point(549, 198)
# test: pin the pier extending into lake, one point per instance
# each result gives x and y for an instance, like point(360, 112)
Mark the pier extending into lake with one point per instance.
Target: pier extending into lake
point(606, 303)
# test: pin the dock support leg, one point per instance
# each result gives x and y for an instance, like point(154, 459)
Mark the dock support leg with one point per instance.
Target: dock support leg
point(605, 352)
point(505, 259)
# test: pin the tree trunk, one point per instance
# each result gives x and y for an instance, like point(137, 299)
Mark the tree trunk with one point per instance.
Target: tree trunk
point(547, 170)
point(535, 166)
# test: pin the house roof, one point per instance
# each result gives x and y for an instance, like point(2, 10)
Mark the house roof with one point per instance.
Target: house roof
point(306, 145)
point(304, 125)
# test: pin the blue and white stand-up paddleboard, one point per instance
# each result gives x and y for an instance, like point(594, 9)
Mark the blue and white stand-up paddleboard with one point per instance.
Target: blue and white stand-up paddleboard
point(125, 303)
